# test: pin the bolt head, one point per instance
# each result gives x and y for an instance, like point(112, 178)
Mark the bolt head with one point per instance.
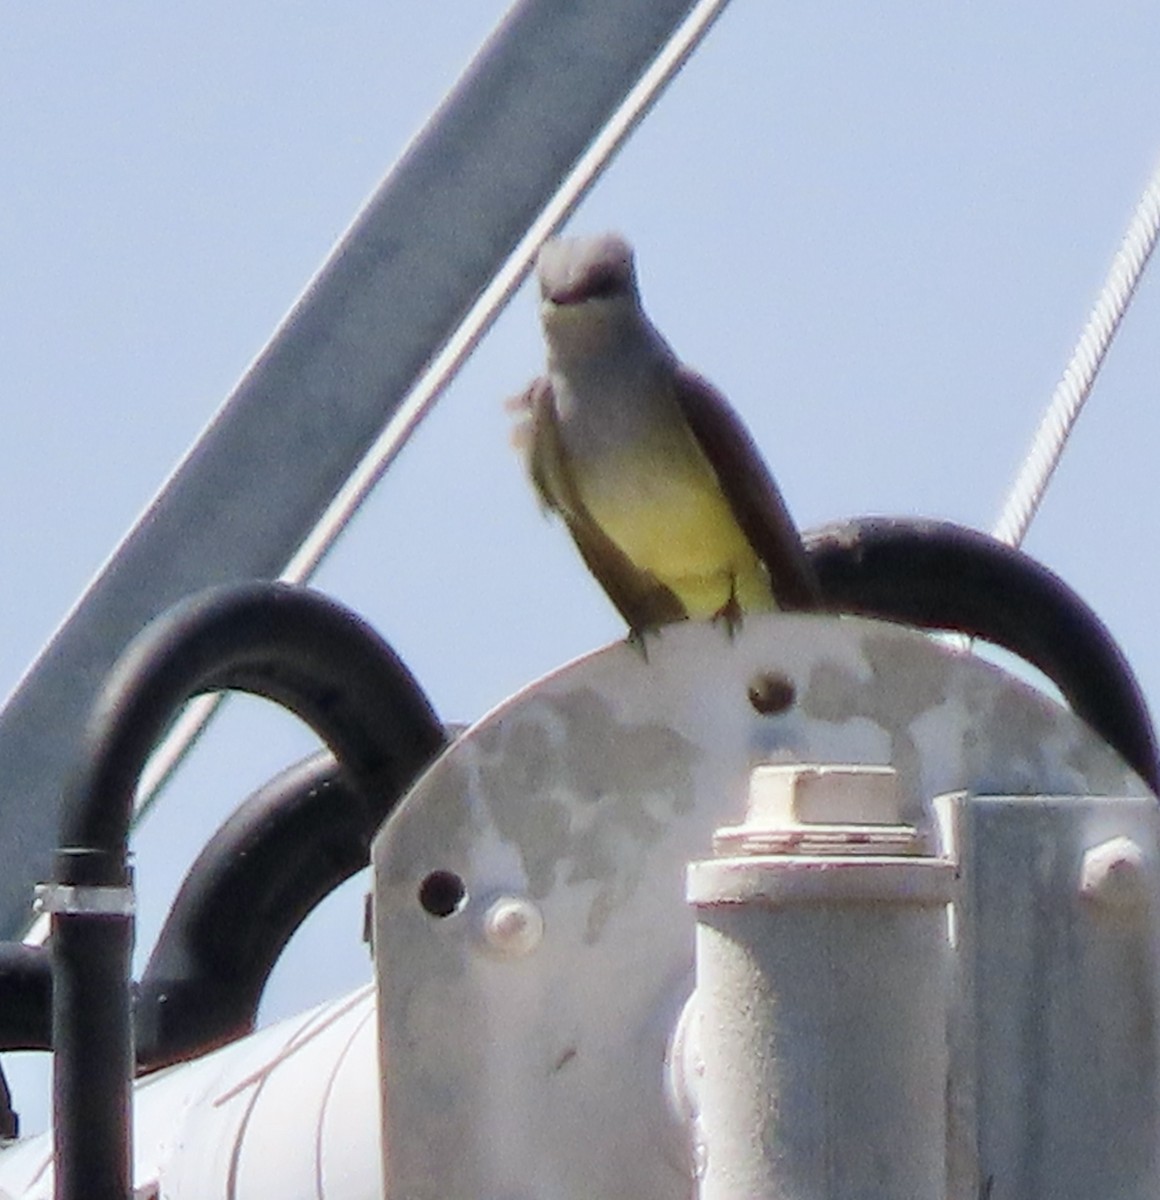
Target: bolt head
point(512, 926)
point(821, 808)
point(1112, 874)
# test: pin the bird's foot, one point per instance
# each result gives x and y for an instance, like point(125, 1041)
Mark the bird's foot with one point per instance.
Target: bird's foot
point(638, 639)
point(729, 615)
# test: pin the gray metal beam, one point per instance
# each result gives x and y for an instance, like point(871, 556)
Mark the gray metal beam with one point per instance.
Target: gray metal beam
point(260, 478)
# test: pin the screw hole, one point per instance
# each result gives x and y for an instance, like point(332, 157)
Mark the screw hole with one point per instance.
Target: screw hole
point(772, 693)
point(442, 893)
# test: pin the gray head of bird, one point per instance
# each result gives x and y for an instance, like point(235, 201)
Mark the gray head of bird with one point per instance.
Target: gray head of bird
point(588, 293)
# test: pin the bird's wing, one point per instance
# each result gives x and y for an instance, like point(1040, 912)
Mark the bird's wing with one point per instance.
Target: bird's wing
point(638, 596)
point(750, 490)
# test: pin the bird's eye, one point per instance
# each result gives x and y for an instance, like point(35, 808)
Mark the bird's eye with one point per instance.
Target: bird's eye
point(604, 281)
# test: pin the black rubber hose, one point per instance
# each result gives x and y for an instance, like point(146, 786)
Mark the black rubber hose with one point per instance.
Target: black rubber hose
point(92, 1063)
point(293, 646)
point(281, 852)
point(938, 575)
point(25, 1013)
point(25, 997)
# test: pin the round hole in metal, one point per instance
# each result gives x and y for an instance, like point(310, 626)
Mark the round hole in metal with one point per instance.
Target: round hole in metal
point(443, 893)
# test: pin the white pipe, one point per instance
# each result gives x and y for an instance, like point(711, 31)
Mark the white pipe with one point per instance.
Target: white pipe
point(819, 1016)
point(290, 1112)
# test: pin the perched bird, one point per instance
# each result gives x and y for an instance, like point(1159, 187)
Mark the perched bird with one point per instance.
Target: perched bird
point(657, 480)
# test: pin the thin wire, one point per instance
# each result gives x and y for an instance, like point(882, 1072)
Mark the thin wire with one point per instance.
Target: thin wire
point(449, 360)
point(1073, 389)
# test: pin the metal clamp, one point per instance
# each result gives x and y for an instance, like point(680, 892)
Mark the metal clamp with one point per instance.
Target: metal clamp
point(81, 900)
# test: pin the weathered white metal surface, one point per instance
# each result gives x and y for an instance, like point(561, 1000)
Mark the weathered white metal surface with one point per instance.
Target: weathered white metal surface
point(1061, 975)
point(290, 1112)
point(541, 1074)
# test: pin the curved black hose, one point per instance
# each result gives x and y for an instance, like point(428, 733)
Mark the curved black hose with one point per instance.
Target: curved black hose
point(290, 645)
point(26, 1008)
point(287, 644)
point(25, 997)
point(282, 851)
point(938, 575)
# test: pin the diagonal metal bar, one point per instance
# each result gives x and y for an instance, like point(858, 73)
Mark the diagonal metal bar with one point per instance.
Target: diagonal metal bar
point(248, 495)
point(446, 363)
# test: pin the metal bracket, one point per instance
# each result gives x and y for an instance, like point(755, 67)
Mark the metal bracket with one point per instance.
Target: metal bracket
point(538, 1067)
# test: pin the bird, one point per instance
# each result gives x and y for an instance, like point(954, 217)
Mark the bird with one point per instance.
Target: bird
point(662, 488)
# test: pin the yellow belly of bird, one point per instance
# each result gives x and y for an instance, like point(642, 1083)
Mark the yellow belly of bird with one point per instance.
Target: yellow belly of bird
point(676, 524)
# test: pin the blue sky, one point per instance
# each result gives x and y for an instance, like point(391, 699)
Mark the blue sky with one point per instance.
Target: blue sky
point(877, 228)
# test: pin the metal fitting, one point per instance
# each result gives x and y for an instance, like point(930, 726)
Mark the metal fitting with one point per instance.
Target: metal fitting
point(1112, 874)
point(512, 926)
point(83, 900)
point(816, 1058)
point(820, 809)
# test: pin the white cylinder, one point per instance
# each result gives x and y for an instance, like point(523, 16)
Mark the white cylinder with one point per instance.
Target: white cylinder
point(290, 1112)
point(820, 1027)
